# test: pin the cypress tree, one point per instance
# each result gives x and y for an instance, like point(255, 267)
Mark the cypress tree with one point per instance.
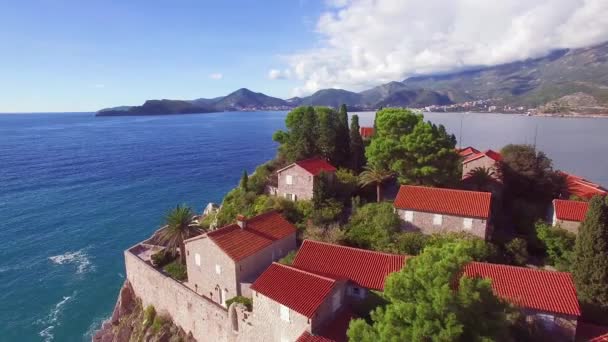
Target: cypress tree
point(320, 190)
point(326, 143)
point(590, 266)
point(357, 148)
point(244, 181)
point(342, 138)
point(308, 139)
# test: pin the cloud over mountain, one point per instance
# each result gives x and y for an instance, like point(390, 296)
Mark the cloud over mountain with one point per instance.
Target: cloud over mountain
point(367, 42)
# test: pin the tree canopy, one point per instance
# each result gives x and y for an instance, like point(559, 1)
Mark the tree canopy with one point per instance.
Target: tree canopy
point(429, 302)
point(357, 148)
point(418, 151)
point(315, 131)
point(372, 226)
point(590, 264)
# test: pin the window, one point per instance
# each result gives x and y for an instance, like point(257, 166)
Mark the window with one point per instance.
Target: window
point(437, 219)
point(547, 321)
point(289, 179)
point(218, 269)
point(197, 259)
point(355, 291)
point(284, 312)
point(467, 223)
point(408, 216)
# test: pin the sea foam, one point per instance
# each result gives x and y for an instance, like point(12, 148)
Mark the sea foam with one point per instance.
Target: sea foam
point(52, 319)
point(80, 258)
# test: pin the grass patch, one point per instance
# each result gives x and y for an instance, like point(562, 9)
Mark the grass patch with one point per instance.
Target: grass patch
point(176, 270)
point(240, 299)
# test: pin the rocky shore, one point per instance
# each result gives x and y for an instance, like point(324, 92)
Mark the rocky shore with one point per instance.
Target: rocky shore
point(129, 323)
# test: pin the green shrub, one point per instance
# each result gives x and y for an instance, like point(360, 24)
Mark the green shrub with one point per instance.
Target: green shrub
point(149, 314)
point(177, 270)
point(162, 258)
point(373, 226)
point(410, 243)
point(328, 212)
point(240, 299)
point(288, 259)
point(158, 323)
point(558, 244)
point(480, 249)
point(517, 251)
point(347, 183)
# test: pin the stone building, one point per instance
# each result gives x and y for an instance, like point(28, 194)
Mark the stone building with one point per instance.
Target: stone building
point(547, 299)
point(311, 300)
point(296, 181)
point(467, 152)
point(487, 159)
point(223, 263)
point(436, 210)
point(568, 214)
point(582, 188)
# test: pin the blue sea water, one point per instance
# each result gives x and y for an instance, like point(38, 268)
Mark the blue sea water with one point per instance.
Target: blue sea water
point(76, 190)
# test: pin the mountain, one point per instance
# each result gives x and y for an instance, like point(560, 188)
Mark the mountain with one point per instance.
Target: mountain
point(532, 82)
point(569, 80)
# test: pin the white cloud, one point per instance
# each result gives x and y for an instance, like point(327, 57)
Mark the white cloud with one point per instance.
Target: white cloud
point(276, 74)
point(216, 76)
point(367, 42)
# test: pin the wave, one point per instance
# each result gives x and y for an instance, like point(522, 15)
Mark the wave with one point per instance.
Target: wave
point(52, 319)
point(80, 258)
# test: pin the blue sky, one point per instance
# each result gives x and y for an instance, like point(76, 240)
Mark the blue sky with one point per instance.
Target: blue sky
point(61, 55)
point(83, 55)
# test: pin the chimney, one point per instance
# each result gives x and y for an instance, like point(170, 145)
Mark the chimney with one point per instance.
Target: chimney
point(240, 220)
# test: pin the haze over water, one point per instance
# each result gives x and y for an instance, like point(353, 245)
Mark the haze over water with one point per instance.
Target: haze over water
point(76, 190)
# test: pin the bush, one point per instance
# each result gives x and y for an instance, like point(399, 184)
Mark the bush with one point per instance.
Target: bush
point(158, 323)
point(328, 212)
point(479, 249)
point(347, 183)
point(288, 259)
point(330, 234)
point(176, 270)
point(373, 226)
point(149, 314)
point(558, 244)
point(410, 243)
point(517, 251)
point(240, 299)
point(162, 258)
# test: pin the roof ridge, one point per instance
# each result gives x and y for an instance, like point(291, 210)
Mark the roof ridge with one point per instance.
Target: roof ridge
point(446, 189)
point(213, 232)
point(354, 248)
point(521, 268)
point(333, 280)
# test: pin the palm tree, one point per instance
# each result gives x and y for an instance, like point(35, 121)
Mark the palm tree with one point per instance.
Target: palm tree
point(481, 178)
point(375, 175)
point(179, 227)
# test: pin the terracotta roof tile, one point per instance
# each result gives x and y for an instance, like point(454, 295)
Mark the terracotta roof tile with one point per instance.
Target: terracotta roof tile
point(488, 153)
point(259, 232)
point(316, 166)
point(529, 288)
point(444, 201)
point(299, 290)
point(583, 188)
point(366, 132)
point(467, 151)
point(365, 268)
point(333, 331)
point(591, 332)
point(570, 210)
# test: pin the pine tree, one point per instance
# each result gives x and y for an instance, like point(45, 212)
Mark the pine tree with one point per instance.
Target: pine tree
point(357, 148)
point(244, 181)
point(327, 129)
point(590, 266)
point(309, 127)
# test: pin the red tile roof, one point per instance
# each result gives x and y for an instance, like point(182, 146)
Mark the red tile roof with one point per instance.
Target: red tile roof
point(316, 166)
point(467, 151)
point(366, 132)
point(333, 331)
point(591, 332)
point(444, 201)
point(583, 188)
point(570, 210)
point(365, 268)
point(259, 232)
point(529, 288)
point(489, 153)
point(299, 290)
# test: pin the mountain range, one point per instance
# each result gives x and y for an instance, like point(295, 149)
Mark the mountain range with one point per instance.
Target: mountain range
point(567, 80)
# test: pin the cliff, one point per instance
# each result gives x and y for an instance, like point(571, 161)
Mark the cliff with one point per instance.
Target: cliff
point(130, 322)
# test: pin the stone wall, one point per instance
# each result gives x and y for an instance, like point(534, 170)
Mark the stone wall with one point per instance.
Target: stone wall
point(251, 267)
point(204, 278)
point(201, 317)
point(302, 185)
point(268, 323)
point(423, 222)
point(571, 226)
point(485, 162)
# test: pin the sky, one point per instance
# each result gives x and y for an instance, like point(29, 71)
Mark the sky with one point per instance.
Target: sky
point(68, 55)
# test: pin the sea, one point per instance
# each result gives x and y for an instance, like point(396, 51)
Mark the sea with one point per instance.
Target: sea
point(77, 190)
